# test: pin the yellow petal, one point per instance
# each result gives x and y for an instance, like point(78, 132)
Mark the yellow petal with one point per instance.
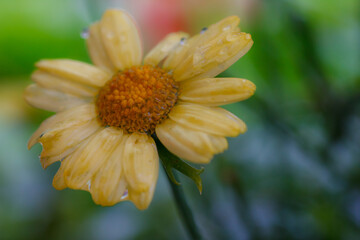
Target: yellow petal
point(59, 181)
point(58, 141)
point(142, 200)
point(219, 144)
point(51, 100)
point(179, 52)
point(75, 71)
point(184, 51)
point(97, 50)
point(109, 185)
point(59, 178)
point(216, 91)
point(47, 161)
point(121, 39)
point(71, 117)
point(163, 48)
point(140, 162)
point(49, 81)
point(212, 52)
point(194, 146)
point(80, 166)
point(209, 120)
point(110, 193)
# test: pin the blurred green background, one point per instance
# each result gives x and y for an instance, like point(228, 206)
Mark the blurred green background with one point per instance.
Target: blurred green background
point(294, 175)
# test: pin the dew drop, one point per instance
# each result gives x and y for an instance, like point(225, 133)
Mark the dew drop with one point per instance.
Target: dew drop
point(182, 41)
point(125, 195)
point(203, 30)
point(89, 184)
point(84, 33)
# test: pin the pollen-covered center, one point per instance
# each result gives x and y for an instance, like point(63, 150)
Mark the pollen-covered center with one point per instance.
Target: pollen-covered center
point(137, 99)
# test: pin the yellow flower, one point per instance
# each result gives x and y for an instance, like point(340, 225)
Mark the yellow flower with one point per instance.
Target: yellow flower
point(107, 113)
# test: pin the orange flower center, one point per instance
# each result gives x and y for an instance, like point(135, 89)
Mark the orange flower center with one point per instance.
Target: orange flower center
point(137, 99)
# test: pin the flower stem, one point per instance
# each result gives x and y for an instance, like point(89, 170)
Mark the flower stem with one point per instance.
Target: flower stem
point(182, 205)
point(184, 210)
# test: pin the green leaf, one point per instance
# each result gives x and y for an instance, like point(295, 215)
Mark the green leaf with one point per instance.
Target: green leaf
point(170, 162)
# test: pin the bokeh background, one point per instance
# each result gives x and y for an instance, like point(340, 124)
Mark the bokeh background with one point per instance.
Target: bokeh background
point(294, 175)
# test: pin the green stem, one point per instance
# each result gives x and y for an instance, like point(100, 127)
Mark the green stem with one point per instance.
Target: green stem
point(182, 205)
point(184, 210)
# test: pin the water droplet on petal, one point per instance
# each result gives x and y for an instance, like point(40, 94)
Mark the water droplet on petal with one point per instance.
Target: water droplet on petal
point(89, 184)
point(126, 193)
point(182, 41)
point(203, 30)
point(85, 33)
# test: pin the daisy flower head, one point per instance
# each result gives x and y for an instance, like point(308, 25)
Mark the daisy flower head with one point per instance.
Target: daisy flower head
point(108, 113)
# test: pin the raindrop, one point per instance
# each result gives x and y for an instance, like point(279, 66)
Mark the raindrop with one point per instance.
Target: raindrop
point(182, 41)
point(126, 193)
point(85, 33)
point(203, 30)
point(89, 184)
